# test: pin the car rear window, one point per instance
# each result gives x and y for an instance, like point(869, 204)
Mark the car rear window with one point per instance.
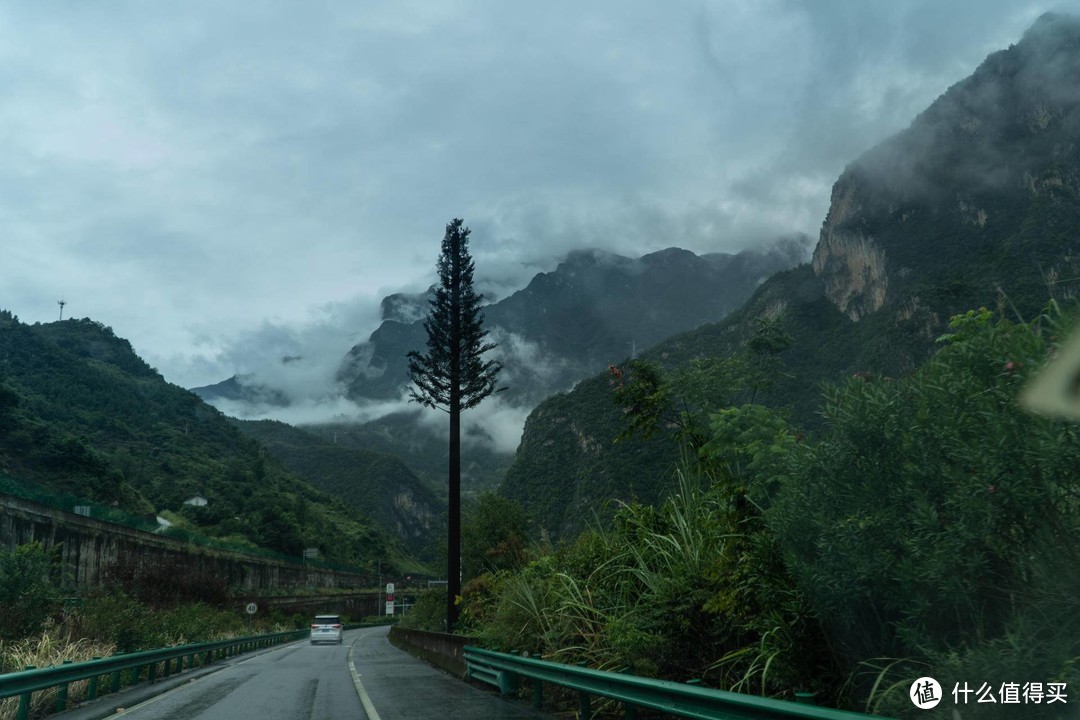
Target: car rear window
point(327, 619)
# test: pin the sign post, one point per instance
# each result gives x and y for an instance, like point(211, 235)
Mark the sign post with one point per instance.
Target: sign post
point(389, 598)
point(252, 608)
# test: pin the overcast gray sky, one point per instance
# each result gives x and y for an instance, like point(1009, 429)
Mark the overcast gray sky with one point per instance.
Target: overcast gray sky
point(225, 181)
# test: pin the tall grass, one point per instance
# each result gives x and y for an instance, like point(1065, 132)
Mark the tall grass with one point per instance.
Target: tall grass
point(103, 625)
point(53, 647)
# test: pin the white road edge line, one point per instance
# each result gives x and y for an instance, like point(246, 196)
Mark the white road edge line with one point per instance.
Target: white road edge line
point(364, 699)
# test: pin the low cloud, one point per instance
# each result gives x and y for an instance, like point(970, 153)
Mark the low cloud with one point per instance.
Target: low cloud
point(315, 397)
point(296, 358)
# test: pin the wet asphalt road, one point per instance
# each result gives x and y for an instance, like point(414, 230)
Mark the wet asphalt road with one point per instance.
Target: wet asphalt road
point(297, 682)
point(400, 686)
point(306, 682)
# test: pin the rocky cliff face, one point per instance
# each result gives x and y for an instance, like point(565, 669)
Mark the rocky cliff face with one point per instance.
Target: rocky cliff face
point(595, 308)
point(938, 203)
point(851, 264)
point(976, 204)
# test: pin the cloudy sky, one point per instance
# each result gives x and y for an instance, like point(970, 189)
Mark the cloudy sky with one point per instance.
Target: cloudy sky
point(227, 181)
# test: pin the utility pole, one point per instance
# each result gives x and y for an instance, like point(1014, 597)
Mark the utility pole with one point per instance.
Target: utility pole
point(61, 302)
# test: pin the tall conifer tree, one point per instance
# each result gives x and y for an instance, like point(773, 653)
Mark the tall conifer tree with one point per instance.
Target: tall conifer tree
point(453, 376)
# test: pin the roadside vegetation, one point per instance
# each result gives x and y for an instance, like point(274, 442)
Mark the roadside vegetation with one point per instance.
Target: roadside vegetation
point(45, 622)
point(930, 528)
point(83, 417)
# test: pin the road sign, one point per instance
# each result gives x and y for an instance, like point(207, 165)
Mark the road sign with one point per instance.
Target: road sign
point(252, 608)
point(389, 598)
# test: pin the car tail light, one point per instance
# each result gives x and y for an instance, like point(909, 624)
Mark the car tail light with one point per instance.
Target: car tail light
point(314, 627)
point(337, 627)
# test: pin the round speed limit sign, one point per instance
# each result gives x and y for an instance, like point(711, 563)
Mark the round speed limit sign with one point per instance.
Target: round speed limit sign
point(251, 608)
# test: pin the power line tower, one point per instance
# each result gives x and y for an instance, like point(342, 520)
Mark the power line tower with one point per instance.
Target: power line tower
point(61, 302)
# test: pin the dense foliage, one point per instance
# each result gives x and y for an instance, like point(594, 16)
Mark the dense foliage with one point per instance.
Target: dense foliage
point(27, 592)
point(82, 415)
point(378, 485)
point(495, 536)
point(424, 452)
point(138, 608)
point(976, 203)
point(930, 528)
point(937, 521)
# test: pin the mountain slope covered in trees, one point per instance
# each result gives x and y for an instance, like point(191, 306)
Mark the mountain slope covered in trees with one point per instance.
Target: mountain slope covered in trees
point(82, 414)
point(376, 484)
point(593, 308)
point(976, 204)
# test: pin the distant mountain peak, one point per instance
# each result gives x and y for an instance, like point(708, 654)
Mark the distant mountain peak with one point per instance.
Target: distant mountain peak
point(594, 308)
point(1054, 27)
point(1014, 123)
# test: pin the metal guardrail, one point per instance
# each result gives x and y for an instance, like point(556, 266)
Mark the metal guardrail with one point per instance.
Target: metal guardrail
point(109, 674)
point(505, 671)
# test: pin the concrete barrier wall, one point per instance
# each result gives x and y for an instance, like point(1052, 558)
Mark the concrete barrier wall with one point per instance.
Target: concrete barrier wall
point(355, 605)
point(442, 650)
point(89, 548)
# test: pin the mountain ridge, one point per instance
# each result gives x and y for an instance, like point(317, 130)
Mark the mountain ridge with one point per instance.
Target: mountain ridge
point(977, 203)
point(82, 414)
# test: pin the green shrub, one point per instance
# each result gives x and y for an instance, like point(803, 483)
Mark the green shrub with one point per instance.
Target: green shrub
point(428, 612)
point(927, 523)
point(28, 594)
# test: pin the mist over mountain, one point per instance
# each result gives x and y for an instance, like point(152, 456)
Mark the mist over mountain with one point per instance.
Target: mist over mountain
point(594, 308)
point(81, 414)
point(976, 204)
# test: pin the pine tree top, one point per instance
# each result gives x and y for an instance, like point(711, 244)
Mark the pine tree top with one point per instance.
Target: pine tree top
point(453, 370)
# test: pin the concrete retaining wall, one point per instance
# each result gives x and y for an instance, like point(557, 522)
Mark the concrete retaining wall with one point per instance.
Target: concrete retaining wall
point(354, 605)
point(442, 650)
point(90, 547)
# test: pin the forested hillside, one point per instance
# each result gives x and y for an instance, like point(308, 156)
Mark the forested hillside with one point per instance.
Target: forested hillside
point(379, 486)
point(976, 204)
point(922, 532)
point(82, 414)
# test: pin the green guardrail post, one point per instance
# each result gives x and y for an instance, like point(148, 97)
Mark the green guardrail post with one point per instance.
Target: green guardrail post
point(62, 694)
point(584, 706)
point(151, 673)
point(92, 683)
point(629, 708)
point(24, 700)
point(114, 681)
point(584, 700)
point(538, 694)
